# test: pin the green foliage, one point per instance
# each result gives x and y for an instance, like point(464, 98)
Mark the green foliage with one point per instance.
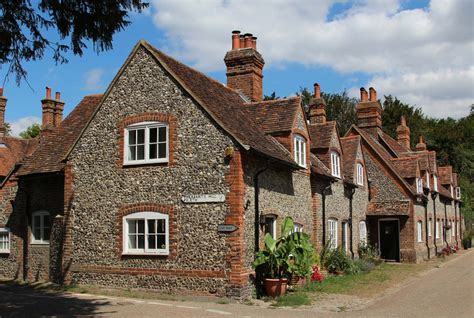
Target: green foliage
point(335, 260)
point(8, 129)
point(272, 96)
point(31, 132)
point(341, 108)
point(290, 254)
point(369, 253)
point(30, 29)
point(293, 300)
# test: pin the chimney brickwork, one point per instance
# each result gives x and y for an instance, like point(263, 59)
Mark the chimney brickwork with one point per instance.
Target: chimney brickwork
point(421, 146)
point(369, 112)
point(245, 66)
point(3, 105)
point(317, 107)
point(52, 110)
point(403, 133)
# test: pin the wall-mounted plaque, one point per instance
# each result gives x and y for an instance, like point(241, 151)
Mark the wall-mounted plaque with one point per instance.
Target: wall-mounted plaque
point(203, 198)
point(226, 228)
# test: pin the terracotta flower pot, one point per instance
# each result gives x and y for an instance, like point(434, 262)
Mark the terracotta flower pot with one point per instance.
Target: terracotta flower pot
point(275, 286)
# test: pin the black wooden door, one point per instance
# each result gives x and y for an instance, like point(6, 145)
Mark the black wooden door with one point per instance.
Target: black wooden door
point(389, 240)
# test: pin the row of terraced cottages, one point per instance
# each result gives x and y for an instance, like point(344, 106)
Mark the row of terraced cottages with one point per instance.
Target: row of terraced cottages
point(169, 180)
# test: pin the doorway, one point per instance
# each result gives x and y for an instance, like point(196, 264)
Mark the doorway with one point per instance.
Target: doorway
point(389, 240)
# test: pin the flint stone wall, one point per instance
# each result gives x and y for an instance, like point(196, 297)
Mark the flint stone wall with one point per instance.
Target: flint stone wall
point(101, 187)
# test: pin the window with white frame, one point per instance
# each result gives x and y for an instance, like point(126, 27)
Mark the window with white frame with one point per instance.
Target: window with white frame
point(146, 142)
point(419, 231)
point(332, 233)
point(437, 229)
point(362, 233)
point(451, 190)
point(40, 227)
point(4, 240)
point(335, 164)
point(429, 227)
point(360, 174)
point(270, 225)
point(146, 233)
point(435, 183)
point(458, 192)
point(428, 180)
point(419, 185)
point(299, 144)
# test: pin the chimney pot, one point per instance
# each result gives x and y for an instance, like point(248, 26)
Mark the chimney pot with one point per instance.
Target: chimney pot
point(58, 96)
point(403, 121)
point(317, 90)
point(235, 40)
point(363, 95)
point(254, 42)
point(48, 92)
point(248, 40)
point(373, 94)
point(242, 41)
point(1, 91)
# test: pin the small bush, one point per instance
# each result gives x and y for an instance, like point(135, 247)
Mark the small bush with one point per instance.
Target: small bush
point(336, 261)
point(363, 265)
point(369, 253)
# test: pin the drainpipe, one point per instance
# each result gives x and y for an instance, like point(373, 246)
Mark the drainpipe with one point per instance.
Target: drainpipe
point(460, 222)
point(258, 273)
point(352, 189)
point(425, 205)
point(25, 238)
point(257, 207)
point(323, 199)
point(456, 222)
point(433, 196)
point(445, 224)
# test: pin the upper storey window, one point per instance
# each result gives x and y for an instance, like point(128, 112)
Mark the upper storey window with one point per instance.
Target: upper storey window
point(428, 180)
point(300, 150)
point(419, 185)
point(360, 174)
point(458, 193)
point(335, 164)
point(146, 142)
point(435, 183)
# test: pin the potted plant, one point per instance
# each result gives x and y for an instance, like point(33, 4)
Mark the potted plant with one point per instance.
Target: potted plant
point(302, 257)
point(283, 257)
point(465, 242)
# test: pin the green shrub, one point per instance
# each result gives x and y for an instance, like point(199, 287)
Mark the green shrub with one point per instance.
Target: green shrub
point(369, 253)
point(363, 265)
point(336, 261)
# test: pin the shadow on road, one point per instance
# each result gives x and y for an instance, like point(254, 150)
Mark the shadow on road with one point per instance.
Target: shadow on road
point(18, 301)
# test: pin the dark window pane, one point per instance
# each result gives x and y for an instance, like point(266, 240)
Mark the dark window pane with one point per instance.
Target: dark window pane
point(141, 241)
point(151, 226)
point(131, 137)
point(46, 220)
point(46, 233)
point(37, 233)
point(161, 226)
point(162, 150)
point(141, 136)
point(141, 226)
point(153, 134)
point(151, 242)
point(141, 152)
point(161, 241)
point(153, 154)
point(162, 134)
point(37, 221)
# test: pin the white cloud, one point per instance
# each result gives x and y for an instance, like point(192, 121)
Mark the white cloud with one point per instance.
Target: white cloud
point(93, 79)
point(423, 56)
point(21, 124)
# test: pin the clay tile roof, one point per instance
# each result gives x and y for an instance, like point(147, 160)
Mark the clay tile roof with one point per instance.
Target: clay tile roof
point(455, 180)
point(318, 167)
point(53, 146)
point(393, 144)
point(444, 192)
point(432, 160)
point(349, 145)
point(321, 134)
point(424, 161)
point(445, 175)
point(406, 167)
point(275, 115)
point(225, 106)
point(12, 151)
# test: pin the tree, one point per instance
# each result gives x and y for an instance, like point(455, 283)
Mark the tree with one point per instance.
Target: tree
point(31, 132)
point(25, 29)
point(272, 96)
point(341, 108)
point(8, 129)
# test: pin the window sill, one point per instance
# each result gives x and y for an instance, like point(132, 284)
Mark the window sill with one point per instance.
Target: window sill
point(145, 254)
point(40, 243)
point(4, 252)
point(147, 162)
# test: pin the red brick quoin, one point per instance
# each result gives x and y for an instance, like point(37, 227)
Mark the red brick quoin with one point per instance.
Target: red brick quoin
point(127, 209)
point(158, 117)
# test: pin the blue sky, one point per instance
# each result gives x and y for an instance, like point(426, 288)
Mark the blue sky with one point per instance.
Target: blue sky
point(403, 48)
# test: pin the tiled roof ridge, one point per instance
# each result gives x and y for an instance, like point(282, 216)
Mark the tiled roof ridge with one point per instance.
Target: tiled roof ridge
point(274, 100)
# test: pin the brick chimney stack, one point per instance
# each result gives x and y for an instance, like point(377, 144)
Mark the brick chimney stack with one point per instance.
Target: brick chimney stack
point(403, 133)
point(421, 146)
point(245, 66)
point(3, 105)
point(317, 107)
point(52, 110)
point(369, 112)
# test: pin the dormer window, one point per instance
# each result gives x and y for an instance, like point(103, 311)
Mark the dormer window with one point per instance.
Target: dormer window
point(299, 144)
point(458, 193)
point(146, 142)
point(419, 185)
point(360, 174)
point(435, 183)
point(335, 164)
point(451, 190)
point(428, 180)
